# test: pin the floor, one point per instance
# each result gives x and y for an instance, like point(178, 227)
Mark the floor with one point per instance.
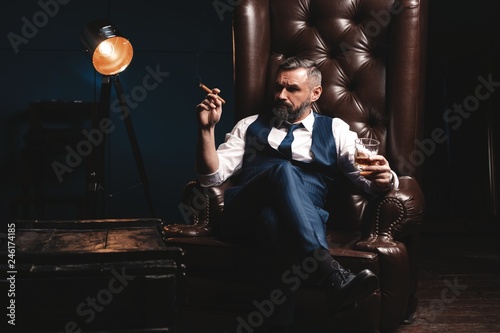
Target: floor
point(459, 284)
point(459, 288)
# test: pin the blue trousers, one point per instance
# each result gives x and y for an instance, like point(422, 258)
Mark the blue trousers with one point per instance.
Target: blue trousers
point(274, 212)
point(274, 204)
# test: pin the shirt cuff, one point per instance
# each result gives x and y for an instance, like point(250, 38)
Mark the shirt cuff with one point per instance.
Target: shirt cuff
point(395, 181)
point(212, 179)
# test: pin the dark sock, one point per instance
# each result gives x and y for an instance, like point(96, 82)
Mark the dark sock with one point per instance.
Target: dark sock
point(327, 266)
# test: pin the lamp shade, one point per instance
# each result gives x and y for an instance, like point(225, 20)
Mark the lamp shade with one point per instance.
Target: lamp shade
point(110, 52)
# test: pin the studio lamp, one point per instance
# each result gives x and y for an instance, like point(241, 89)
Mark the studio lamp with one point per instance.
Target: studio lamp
point(111, 53)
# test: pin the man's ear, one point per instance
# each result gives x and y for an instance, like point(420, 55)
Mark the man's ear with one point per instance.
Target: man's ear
point(316, 93)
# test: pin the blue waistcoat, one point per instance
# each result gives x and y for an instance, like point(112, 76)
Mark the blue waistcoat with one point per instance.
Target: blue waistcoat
point(317, 175)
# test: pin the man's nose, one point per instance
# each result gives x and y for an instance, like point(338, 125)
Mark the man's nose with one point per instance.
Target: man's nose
point(282, 94)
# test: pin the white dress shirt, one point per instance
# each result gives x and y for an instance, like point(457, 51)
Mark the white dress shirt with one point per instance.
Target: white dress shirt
point(232, 150)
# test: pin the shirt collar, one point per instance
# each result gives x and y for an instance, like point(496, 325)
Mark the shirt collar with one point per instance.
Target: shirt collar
point(308, 121)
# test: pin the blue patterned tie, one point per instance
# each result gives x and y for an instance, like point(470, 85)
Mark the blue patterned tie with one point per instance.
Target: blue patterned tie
point(286, 145)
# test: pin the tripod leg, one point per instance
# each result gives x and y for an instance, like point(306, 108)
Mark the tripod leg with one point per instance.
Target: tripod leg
point(96, 198)
point(133, 143)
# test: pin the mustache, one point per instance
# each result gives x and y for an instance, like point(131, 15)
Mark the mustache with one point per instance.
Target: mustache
point(282, 104)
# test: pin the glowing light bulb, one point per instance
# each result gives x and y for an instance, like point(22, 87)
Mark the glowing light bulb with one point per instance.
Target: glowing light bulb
point(106, 48)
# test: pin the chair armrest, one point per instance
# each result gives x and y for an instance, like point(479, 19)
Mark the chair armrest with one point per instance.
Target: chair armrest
point(398, 213)
point(200, 206)
point(394, 275)
point(396, 219)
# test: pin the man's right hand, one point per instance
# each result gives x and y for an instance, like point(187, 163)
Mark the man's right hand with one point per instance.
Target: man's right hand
point(209, 110)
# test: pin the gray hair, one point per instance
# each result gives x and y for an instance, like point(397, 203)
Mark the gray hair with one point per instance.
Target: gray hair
point(313, 73)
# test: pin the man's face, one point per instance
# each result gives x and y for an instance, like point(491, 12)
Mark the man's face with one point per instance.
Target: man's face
point(293, 95)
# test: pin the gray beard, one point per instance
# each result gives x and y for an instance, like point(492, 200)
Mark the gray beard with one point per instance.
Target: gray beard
point(286, 113)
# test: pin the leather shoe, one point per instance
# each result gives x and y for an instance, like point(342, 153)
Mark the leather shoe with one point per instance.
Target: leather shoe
point(347, 288)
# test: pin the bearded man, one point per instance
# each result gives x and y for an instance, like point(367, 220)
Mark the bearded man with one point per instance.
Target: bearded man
point(284, 162)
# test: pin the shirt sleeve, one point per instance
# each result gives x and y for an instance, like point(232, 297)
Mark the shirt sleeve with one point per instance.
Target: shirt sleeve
point(344, 139)
point(230, 154)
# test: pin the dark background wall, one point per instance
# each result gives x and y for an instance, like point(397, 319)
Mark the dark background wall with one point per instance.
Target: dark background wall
point(464, 49)
point(187, 41)
point(41, 58)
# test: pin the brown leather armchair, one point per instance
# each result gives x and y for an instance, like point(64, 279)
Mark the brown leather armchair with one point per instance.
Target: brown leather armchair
point(372, 57)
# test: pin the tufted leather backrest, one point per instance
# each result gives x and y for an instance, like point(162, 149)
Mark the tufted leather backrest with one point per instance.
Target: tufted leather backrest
point(371, 54)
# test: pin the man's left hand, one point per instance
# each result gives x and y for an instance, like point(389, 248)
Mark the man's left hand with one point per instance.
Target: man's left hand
point(378, 172)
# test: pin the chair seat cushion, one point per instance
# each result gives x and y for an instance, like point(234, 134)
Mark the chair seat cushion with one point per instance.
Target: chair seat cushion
point(210, 257)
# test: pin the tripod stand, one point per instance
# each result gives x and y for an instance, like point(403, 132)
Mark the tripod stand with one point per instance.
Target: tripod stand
point(100, 121)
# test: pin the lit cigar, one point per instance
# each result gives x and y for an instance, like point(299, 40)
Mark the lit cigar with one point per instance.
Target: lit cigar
point(209, 91)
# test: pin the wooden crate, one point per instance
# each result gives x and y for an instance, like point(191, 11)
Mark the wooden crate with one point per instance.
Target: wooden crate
point(95, 275)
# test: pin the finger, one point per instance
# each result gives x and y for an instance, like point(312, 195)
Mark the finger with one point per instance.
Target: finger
point(214, 99)
point(209, 104)
point(214, 106)
point(376, 168)
point(376, 178)
point(378, 159)
point(366, 174)
point(202, 107)
point(381, 178)
point(374, 172)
